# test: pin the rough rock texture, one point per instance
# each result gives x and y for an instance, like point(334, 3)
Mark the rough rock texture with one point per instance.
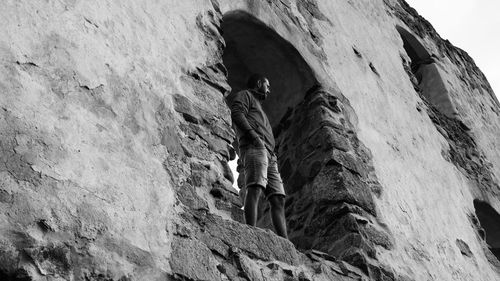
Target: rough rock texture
point(115, 141)
point(318, 149)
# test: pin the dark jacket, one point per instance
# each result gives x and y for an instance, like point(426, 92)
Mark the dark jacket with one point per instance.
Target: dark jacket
point(247, 114)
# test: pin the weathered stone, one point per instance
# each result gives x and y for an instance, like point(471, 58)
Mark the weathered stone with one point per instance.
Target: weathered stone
point(273, 266)
point(231, 272)
point(52, 259)
point(220, 192)
point(335, 184)
point(183, 230)
point(329, 138)
point(185, 107)
point(464, 248)
point(226, 171)
point(192, 259)
point(260, 243)
point(250, 268)
point(6, 197)
point(9, 258)
point(187, 195)
point(130, 252)
point(113, 127)
point(378, 237)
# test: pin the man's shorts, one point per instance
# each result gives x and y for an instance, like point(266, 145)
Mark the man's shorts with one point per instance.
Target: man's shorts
point(261, 168)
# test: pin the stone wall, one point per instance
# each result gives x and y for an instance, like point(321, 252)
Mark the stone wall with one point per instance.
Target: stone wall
point(331, 183)
point(115, 140)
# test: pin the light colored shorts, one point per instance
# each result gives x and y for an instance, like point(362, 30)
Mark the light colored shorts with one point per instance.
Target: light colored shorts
point(261, 168)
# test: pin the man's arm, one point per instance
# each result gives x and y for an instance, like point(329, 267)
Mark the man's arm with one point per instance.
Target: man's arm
point(239, 106)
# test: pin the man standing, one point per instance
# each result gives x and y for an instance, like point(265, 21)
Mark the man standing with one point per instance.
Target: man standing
point(256, 146)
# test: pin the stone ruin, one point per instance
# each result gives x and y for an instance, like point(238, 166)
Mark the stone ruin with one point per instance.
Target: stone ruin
point(116, 140)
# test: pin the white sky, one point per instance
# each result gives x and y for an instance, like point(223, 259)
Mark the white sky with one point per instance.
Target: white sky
point(471, 25)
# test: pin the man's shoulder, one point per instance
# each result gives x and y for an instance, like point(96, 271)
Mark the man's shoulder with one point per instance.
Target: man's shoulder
point(240, 95)
point(242, 92)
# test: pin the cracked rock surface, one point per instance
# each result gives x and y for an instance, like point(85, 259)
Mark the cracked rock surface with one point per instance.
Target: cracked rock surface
point(115, 141)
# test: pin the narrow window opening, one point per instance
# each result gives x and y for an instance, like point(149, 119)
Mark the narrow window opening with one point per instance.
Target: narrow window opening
point(489, 220)
point(428, 74)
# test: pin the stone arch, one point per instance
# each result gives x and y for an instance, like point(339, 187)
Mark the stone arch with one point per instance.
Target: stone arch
point(253, 47)
point(489, 220)
point(428, 73)
point(326, 170)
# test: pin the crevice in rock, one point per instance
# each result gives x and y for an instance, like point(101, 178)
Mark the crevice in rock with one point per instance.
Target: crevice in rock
point(91, 22)
point(27, 64)
point(374, 70)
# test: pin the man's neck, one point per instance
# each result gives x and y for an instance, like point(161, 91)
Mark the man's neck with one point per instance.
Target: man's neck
point(259, 96)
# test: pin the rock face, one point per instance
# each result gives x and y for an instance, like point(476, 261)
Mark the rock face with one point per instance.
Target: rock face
point(115, 141)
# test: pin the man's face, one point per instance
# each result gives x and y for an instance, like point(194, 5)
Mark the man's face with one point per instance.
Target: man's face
point(264, 87)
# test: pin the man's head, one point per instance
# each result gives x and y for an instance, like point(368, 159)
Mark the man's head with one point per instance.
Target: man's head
point(260, 84)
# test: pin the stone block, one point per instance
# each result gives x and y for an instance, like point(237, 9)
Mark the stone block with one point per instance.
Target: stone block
point(347, 160)
point(345, 245)
point(221, 192)
point(252, 270)
point(9, 258)
point(231, 272)
point(186, 108)
point(188, 196)
point(192, 259)
point(262, 244)
point(52, 259)
point(377, 236)
point(335, 184)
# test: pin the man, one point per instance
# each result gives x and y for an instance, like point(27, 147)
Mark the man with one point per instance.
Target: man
point(256, 146)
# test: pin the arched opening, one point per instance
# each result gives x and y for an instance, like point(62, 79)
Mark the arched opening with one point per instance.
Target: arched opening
point(329, 204)
point(252, 47)
point(490, 222)
point(428, 74)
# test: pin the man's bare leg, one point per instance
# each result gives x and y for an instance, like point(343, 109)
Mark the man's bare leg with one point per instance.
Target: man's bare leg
point(251, 204)
point(278, 214)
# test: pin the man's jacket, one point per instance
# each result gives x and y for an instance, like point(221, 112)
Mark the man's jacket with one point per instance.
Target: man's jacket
point(247, 114)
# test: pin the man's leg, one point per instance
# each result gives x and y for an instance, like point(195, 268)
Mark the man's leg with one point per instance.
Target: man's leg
point(251, 204)
point(278, 214)
point(275, 193)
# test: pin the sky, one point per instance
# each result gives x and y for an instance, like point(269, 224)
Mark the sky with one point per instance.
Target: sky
point(471, 25)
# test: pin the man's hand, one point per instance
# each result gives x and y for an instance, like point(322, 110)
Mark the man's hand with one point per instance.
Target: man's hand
point(256, 141)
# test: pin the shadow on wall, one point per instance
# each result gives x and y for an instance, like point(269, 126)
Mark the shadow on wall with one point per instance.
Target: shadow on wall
point(428, 74)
